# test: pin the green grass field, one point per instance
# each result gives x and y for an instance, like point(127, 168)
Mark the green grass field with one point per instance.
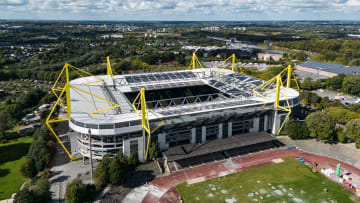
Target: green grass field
point(12, 155)
point(289, 181)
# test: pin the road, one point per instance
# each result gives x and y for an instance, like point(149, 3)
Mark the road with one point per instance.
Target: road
point(332, 94)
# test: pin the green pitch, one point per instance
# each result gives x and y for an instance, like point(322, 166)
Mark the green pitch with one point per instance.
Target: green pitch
point(289, 181)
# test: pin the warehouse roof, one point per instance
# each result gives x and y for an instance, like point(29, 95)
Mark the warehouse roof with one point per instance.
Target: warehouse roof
point(333, 68)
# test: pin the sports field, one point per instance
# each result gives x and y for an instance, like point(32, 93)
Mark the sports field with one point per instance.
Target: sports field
point(289, 181)
point(12, 155)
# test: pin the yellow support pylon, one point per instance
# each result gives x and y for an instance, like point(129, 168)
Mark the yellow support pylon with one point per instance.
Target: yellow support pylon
point(145, 124)
point(109, 70)
point(234, 60)
point(289, 71)
point(195, 62)
point(65, 90)
point(279, 88)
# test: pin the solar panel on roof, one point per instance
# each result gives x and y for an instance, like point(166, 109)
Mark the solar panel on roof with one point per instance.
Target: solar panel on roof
point(151, 78)
point(172, 76)
point(158, 77)
point(166, 76)
point(144, 78)
point(257, 83)
point(179, 75)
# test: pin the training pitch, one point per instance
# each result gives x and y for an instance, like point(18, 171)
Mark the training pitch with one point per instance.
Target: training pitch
point(288, 181)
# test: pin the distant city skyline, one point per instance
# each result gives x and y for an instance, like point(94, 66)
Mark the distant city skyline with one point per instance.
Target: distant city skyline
point(186, 10)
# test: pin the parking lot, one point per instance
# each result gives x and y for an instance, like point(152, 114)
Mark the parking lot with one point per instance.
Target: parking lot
point(344, 99)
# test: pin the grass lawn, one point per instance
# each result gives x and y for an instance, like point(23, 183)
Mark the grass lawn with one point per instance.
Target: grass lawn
point(289, 181)
point(12, 155)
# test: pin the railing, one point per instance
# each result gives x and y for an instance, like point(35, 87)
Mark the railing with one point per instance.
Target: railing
point(184, 100)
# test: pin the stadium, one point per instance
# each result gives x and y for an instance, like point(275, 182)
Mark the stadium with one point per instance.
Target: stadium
point(189, 112)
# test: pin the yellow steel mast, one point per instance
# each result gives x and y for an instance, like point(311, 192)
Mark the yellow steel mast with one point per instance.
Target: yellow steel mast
point(195, 62)
point(276, 85)
point(65, 90)
point(234, 60)
point(145, 124)
point(109, 70)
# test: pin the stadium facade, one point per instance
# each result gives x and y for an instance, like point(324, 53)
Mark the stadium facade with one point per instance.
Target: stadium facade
point(190, 106)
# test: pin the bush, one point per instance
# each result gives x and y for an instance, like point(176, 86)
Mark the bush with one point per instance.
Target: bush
point(37, 193)
point(341, 138)
point(357, 145)
point(154, 150)
point(46, 174)
point(340, 135)
point(25, 196)
point(42, 190)
point(28, 169)
point(133, 160)
point(75, 192)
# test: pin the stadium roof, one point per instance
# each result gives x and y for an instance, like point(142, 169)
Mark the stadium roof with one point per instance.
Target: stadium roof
point(332, 68)
point(239, 88)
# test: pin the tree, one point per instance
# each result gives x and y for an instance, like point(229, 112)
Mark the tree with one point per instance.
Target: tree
point(296, 129)
point(117, 172)
point(306, 84)
point(39, 149)
point(4, 120)
point(102, 174)
point(321, 125)
point(75, 192)
point(355, 108)
point(28, 169)
point(352, 129)
point(351, 84)
point(315, 99)
point(42, 190)
point(325, 103)
point(25, 196)
point(335, 83)
point(133, 160)
point(154, 150)
point(341, 115)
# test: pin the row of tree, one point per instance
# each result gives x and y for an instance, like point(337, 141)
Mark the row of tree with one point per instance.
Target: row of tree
point(322, 125)
point(41, 152)
point(348, 84)
point(340, 51)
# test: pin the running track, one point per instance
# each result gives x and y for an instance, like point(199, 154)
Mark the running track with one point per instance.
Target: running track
point(216, 169)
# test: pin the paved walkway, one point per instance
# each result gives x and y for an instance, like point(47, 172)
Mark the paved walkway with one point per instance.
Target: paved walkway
point(156, 192)
point(344, 152)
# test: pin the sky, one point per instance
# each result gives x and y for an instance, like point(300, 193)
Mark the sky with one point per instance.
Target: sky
point(183, 10)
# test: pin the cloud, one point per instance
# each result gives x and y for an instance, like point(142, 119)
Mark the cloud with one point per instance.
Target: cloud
point(180, 9)
point(13, 2)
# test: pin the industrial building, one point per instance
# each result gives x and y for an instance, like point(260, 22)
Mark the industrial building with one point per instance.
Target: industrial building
point(183, 108)
point(269, 57)
point(325, 70)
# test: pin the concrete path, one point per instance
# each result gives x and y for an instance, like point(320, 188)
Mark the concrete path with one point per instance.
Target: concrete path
point(344, 152)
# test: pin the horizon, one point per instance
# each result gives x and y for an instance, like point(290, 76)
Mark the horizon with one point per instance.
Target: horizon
point(182, 10)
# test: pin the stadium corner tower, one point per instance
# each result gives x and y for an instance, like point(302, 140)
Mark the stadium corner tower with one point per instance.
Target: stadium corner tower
point(190, 106)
